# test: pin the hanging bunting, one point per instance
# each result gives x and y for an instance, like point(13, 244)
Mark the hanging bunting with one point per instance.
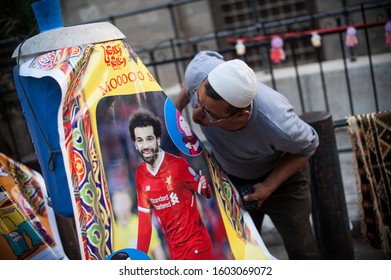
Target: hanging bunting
point(277, 54)
point(351, 41)
point(316, 40)
point(240, 48)
point(387, 28)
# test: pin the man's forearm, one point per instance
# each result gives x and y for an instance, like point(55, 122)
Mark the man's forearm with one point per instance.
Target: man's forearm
point(288, 165)
point(182, 99)
point(144, 231)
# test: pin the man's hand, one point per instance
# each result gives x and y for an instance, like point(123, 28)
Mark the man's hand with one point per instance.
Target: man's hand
point(202, 182)
point(260, 194)
point(182, 99)
point(288, 165)
point(203, 185)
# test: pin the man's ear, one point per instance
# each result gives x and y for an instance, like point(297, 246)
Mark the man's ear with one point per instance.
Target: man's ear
point(244, 114)
point(135, 144)
point(158, 141)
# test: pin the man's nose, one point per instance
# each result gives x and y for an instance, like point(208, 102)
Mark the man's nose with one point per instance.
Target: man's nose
point(144, 145)
point(198, 114)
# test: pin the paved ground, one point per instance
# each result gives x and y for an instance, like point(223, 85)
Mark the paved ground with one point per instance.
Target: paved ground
point(274, 244)
point(362, 251)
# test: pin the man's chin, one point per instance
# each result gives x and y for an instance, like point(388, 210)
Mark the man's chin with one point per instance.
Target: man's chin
point(149, 160)
point(200, 122)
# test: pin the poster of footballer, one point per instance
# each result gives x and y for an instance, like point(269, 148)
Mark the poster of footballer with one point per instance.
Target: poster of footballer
point(139, 177)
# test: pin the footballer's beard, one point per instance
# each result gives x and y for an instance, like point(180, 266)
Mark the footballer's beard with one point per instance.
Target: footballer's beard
point(149, 155)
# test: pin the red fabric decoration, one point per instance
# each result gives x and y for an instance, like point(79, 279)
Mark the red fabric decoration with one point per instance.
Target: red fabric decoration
point(387, 28)
point(316, 40)
point(277, 54)
point(351, 39)
point(240, 48)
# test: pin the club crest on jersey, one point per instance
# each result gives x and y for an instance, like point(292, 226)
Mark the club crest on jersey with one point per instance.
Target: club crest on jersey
point(169, 183)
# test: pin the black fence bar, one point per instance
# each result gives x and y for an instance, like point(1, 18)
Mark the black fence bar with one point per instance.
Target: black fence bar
point(155, 70)
point(324, 89)
point(297, 75)
point(269, 62)
point(345, 66)
point(370, 59)
point(322, 79)
point(178, 72)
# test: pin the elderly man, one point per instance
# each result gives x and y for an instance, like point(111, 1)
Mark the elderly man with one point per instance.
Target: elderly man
point(258, 139)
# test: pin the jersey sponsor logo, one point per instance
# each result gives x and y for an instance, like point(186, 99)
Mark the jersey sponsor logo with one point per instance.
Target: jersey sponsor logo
point(166, 201)
point(174, 198)
point(161, 202)
point(159, 199)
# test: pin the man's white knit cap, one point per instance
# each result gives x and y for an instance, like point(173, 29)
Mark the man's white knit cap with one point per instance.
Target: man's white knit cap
point(234, 81)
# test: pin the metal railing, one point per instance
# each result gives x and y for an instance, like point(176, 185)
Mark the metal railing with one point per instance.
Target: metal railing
point(177, 52)
point(366, 18)
point(335, 24)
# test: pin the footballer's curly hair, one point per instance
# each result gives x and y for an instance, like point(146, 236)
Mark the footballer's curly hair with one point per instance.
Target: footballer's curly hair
point(144, 118)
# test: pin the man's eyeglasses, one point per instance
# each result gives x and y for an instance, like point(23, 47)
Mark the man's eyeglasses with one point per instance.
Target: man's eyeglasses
point(207, 114)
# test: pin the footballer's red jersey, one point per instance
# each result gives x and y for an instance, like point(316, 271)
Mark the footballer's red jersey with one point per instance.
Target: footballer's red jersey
point(170, 190)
